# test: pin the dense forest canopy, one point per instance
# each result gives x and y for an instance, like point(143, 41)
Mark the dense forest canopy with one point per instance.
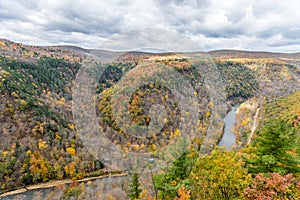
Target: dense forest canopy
point(39, 140)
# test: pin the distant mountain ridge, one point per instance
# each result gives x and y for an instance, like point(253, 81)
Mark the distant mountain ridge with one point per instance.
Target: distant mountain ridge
point(228, 53)
point(253, 54)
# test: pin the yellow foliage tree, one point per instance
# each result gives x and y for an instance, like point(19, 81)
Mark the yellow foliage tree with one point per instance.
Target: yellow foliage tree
point(39, 167)
point(42, 144)
point(70, 169)
point(71, 151)
point(220, 175)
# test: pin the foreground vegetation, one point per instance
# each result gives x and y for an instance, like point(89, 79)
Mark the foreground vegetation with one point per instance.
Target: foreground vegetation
point(267, 169)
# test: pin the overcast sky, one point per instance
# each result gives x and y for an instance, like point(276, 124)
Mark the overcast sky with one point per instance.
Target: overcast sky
point(264, 25)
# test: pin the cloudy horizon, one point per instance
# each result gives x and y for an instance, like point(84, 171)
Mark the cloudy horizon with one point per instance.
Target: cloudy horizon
point(244, 25)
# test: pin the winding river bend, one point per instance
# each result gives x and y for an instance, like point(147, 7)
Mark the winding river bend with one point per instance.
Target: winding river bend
point(228, 138)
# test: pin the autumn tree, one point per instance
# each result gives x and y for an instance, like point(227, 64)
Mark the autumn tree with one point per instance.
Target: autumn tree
point(273, 186)
point(220, 175)
point(183, 194)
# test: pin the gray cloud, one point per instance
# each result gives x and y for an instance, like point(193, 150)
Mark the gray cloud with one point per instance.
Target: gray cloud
point(151, 38)
point(217, 24)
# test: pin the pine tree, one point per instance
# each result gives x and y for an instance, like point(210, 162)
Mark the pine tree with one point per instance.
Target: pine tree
point(175, 176)
point(135, 190)
point(277, 149)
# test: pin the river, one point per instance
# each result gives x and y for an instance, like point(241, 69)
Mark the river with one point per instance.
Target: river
point(95, 189)
point(228, 138)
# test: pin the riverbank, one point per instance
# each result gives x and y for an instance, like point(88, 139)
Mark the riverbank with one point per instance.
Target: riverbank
point(247, 119)
point(52, 184)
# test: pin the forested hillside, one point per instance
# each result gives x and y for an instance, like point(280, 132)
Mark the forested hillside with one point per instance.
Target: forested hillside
point(39, 141)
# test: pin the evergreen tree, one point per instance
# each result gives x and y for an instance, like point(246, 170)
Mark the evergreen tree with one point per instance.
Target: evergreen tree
point(135, 190)
point(175, 176)
point(277, 149)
